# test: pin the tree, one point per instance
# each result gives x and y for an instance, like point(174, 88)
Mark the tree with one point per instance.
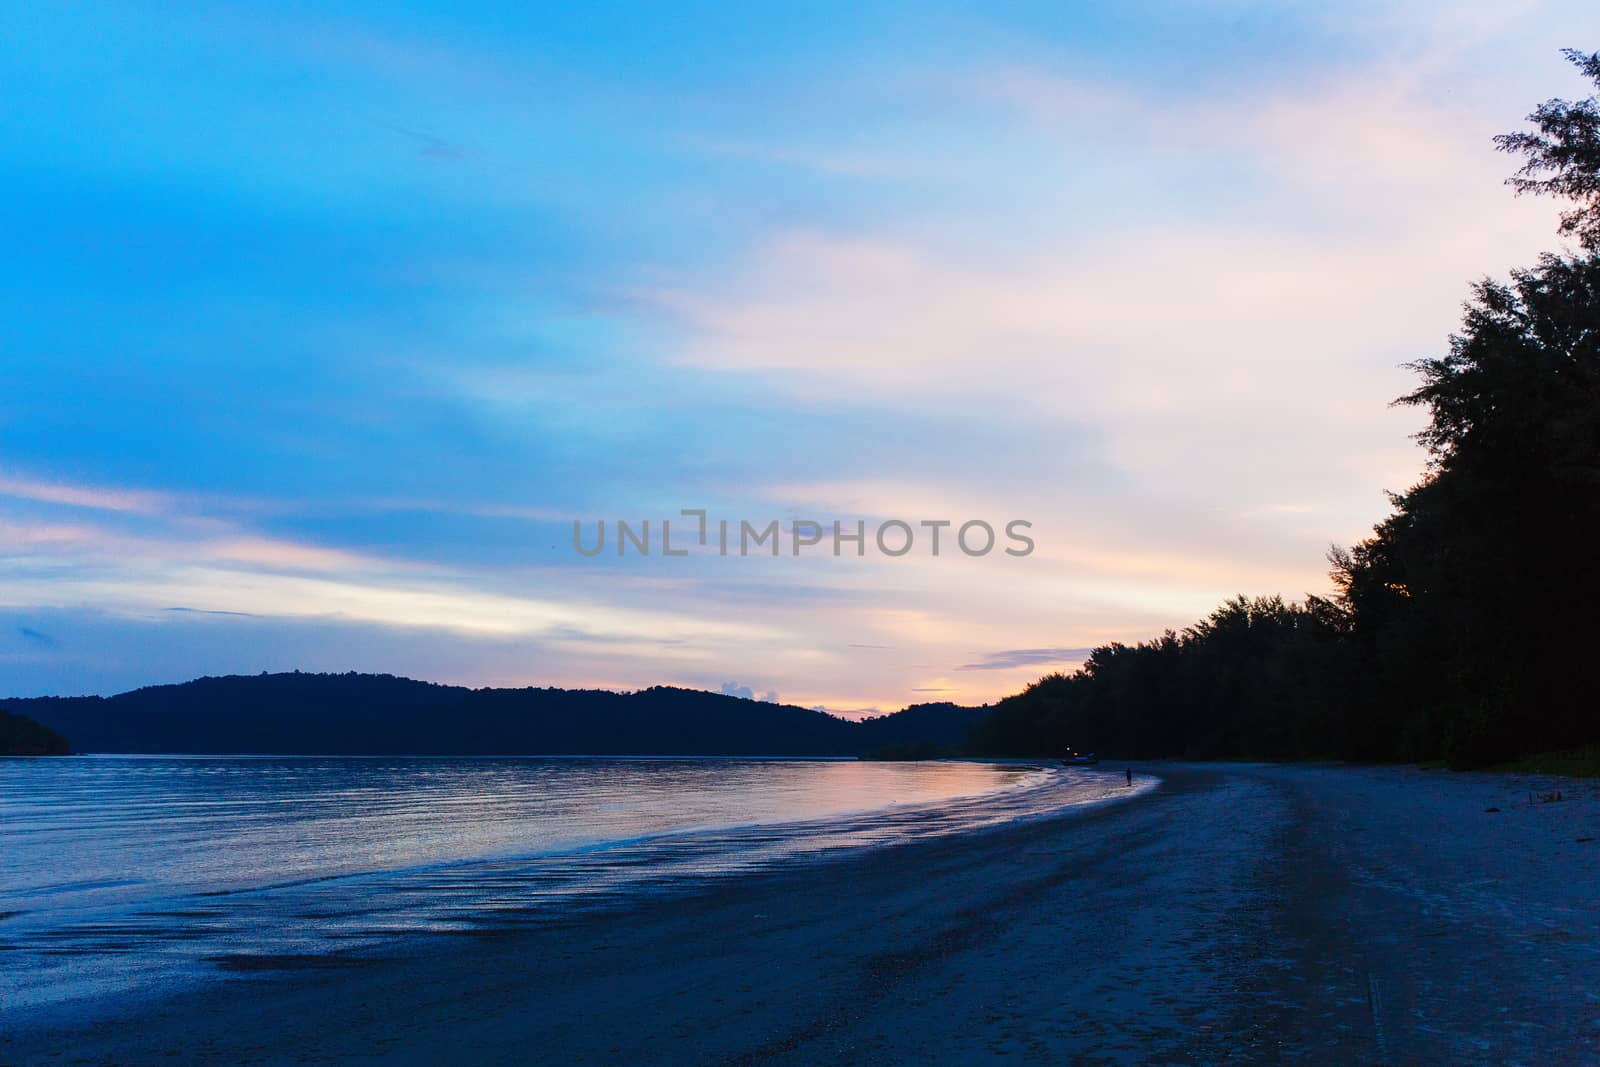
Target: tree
point(1471, 601)
point(1462, 626)
point(1563, 158)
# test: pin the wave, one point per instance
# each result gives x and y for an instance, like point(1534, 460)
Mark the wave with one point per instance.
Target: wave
point(239, 914)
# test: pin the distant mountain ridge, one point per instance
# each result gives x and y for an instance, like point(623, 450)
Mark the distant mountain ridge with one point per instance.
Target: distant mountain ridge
point(381, 714)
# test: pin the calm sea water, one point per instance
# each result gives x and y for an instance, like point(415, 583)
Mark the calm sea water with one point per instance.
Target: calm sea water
point(125, 874)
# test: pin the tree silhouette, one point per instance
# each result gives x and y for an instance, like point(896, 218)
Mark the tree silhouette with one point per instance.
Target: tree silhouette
point(1462, 627)
point(1563, 158)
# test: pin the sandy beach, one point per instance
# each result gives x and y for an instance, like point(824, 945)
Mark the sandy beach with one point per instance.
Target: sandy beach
point(1235, 913)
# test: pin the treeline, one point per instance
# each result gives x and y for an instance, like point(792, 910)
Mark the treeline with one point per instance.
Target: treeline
point(21, 736)
point(1463, 627)
point(1258, 678)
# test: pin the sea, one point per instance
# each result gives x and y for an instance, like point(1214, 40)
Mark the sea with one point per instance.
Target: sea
point(137, 875)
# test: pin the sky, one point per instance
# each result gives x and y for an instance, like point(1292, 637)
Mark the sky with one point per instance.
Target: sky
point(321, 325)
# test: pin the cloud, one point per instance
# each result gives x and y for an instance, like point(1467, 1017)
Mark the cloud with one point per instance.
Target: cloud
point(1006, 659)
point(1182, 346)
point(868, 712)
point(202, 611)
point(744, 692)
point(1156, 307)
point(80, 496)
point(37, 637)
point(210, 565)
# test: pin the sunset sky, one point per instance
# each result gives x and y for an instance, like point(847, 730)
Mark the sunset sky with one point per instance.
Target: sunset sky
point(317, 330)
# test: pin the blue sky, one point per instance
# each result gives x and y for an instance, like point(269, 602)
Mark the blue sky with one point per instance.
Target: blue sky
point(319, 326)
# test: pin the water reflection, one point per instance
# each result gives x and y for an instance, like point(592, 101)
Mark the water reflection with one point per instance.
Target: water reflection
point(115, 871)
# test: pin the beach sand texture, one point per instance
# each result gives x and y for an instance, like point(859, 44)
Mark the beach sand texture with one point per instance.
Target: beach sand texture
point(1237, 913)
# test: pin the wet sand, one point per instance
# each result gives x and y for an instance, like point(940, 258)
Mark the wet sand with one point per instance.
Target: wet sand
point(1236, 913)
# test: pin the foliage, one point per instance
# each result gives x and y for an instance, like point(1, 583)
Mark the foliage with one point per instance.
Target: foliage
point(1563, 158)
point(1259, 678)
point(1462, 627)
point(21, 736)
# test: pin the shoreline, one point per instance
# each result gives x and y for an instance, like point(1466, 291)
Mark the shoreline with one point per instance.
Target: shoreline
point(1244, 911)
point(72, 958)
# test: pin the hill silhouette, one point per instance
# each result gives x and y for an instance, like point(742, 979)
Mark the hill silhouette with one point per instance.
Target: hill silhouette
point(21, 736)
point(380, 714)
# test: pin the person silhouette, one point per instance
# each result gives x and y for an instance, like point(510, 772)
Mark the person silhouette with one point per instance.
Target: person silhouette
point(1130, 775)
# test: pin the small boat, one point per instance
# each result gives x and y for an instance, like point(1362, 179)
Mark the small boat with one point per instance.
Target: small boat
point(1081, 759)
